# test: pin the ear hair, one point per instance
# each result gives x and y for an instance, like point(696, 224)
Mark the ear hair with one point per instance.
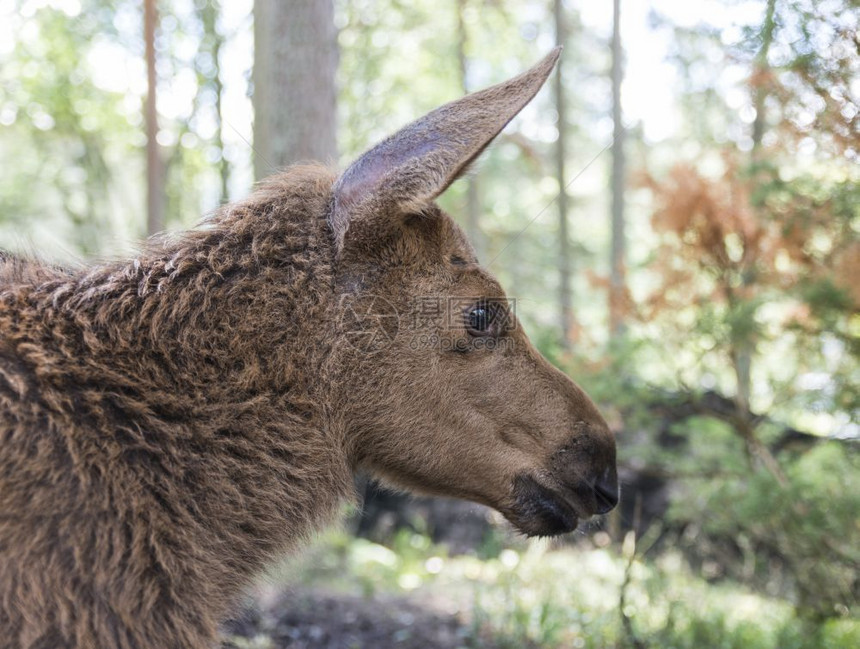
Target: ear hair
point(406, 171)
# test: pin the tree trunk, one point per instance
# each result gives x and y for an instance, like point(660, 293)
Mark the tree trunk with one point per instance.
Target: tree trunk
point(743, 350)
point(565, 257)
point(473, 196)
point(617, 261)
point(154, 162)
point(760, 70)
point(618, 246)
point(295, 60)
point(215, 41)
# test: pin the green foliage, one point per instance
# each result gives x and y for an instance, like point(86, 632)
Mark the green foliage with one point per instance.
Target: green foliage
point(800, 538)
point(567, 598)
point(60, 131)
point(71, 96)
point(729, 514)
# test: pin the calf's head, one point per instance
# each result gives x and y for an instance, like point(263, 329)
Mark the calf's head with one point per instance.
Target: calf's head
point(442, 392)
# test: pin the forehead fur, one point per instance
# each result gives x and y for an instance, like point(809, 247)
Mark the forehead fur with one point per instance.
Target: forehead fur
point(437, 230)
point(415, 240)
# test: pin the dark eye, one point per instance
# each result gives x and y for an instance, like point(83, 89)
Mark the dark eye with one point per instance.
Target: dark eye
point(480, 319)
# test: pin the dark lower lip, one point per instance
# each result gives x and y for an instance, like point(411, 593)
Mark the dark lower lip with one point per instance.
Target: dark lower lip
point(541, 511)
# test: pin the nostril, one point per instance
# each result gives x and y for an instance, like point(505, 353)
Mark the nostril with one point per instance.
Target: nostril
point(606, 492)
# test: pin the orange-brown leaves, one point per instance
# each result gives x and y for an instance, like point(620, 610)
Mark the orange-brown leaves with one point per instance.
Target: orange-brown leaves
point(711, 217)
point(743, 234)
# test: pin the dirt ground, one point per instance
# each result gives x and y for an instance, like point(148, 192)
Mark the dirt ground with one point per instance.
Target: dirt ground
point(319, 620)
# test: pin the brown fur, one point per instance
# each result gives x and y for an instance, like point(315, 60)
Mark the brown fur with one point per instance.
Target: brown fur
point(171, 424)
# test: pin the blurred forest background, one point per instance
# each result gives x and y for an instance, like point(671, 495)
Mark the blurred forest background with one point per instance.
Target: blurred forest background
point(677, 215)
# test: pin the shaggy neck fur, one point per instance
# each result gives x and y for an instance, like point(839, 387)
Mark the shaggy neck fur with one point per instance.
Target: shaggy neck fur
point(165, 417)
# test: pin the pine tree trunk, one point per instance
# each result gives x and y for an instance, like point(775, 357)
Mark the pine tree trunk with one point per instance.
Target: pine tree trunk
point(473, 196)
point(618, 250)
point(209, 17)
point(295, 61)
point(743, 349)
point(565, 257)
point(154, 162)
point(761, 67)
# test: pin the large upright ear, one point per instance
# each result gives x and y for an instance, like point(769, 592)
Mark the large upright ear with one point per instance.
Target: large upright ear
point(405, 172)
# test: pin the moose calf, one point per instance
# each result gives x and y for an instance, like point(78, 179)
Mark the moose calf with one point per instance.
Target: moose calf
point(171, 424)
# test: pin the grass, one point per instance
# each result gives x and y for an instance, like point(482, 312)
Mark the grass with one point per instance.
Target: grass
point(535, 596)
